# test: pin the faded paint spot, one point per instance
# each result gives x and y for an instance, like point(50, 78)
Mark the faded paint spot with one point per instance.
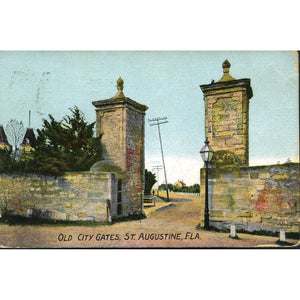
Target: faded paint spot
point(262, 202)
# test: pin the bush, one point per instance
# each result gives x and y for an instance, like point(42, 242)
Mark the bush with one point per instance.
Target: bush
point(223, 158)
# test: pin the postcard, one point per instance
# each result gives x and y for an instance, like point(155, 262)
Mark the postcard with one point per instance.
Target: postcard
point(149, 149)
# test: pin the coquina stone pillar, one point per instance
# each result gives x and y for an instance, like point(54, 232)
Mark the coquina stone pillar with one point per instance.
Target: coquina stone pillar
point(121, 122)
point(227, 114)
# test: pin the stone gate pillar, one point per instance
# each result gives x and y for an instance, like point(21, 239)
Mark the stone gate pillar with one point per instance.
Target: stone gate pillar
point(121, 122)
point(227, 114)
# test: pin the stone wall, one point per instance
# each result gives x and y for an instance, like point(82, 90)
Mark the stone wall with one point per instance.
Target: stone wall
point(227, 128)
point(254, 198)
point(227, 114)
point(76, 196)
point(135, 165)
point(111, 125)
point(227, 119)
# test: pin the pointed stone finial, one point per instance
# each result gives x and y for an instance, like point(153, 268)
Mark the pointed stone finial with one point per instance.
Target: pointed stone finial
point(120, 83)
point(226, 66)
point(120, 87)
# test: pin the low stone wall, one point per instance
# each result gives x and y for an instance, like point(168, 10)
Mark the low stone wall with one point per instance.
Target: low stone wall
point(254, 198)
point(76, 196)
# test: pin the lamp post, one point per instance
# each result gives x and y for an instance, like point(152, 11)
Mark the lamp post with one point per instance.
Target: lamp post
point(206, 154)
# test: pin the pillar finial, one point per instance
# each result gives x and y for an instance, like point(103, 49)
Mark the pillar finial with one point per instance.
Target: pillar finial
point(226, 66)
point(226, 76)
point(120, 87)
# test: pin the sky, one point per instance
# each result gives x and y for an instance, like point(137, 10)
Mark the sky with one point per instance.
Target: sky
point(161, 25)
point(168, 83)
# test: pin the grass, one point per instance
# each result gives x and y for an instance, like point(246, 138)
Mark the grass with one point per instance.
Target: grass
point(20, 220)
point(290, 235)
point(281, 243)
point(129, 218)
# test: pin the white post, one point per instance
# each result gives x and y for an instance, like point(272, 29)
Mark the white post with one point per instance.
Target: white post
point(232, 231)
point(282, 235)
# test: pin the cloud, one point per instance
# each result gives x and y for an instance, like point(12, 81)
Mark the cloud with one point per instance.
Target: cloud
point(271, 161)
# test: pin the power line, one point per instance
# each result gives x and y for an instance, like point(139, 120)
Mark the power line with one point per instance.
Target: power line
point(156, 122)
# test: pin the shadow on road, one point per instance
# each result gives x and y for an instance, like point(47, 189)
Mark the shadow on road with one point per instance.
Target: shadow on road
point(176, 200)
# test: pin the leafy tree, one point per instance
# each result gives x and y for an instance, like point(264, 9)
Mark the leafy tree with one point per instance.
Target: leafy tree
point(15, 132)
point(8, 164)
point(163, 187)
point(5, 160)
point(195, 188)
point(66, 145)
point(150, 180)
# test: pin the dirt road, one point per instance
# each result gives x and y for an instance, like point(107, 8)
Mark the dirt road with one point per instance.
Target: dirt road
point(171, 225)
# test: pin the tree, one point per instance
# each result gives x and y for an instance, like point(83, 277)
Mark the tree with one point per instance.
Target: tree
point(66, 145)
point(163, 187)
point(5, 160)
point(150, 180)
point(15, 133)
point(195, 188)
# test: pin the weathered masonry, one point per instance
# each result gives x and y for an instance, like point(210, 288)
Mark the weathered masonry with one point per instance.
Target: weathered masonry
point(254, 198)
point(112, 188)
point(227, 114)
point(80, 196)
point(121, 122)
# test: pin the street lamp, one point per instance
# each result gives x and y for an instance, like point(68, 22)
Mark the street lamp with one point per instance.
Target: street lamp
point(206, 154)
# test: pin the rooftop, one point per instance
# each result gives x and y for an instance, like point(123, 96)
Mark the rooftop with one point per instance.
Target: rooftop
point(29, 137)
point(3, 137)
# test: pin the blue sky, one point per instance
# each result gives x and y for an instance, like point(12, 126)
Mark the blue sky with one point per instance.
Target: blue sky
point(168, 83)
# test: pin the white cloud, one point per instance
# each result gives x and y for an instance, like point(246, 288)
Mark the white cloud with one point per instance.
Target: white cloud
point(271, 161)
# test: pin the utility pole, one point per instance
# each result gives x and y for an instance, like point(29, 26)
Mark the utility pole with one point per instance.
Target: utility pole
point(156, 122)
point(156, 169)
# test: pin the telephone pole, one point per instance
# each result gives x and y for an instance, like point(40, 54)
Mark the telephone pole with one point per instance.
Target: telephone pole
point(156, 169)
point(156, 122)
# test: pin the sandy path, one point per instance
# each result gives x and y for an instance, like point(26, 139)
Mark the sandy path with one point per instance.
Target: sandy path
point(172, 227)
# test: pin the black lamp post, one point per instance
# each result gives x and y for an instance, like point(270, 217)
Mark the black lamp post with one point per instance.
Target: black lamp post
point(206, 154)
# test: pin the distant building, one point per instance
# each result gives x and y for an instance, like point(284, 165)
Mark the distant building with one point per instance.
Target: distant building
point(28, 141)
point(3, 140)
point(179, 184)
point(26, 147)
